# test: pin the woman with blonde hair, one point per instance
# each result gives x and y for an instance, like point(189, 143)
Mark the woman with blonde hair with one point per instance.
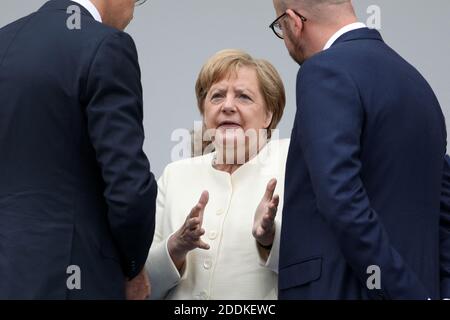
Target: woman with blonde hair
point(225, 245)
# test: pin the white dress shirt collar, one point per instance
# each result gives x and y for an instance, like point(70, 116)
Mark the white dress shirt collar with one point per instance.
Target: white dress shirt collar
point(89, 6)
point(347, 28)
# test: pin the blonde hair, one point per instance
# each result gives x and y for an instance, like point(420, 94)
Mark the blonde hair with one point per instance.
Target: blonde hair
point(227, 62)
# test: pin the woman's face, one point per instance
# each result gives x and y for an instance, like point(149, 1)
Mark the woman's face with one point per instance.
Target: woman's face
point(234, 108)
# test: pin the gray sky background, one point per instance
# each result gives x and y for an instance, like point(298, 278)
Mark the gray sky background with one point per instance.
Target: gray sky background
point(174, 39)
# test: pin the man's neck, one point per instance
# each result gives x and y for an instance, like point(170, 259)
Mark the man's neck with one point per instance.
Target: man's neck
point(328, 32)
point(93, 9)
point(100, 6)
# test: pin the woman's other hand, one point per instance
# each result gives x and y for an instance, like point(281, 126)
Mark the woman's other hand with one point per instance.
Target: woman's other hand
point(264, 222)
point(187, 238)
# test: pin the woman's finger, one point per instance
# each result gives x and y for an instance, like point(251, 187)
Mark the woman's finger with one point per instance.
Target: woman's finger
point(270, 189)
point(198, 233)
point(195, 211)
point(202, 245)
point(193, 223)
point(204, 198)
point(276, 200)
point(267, 221)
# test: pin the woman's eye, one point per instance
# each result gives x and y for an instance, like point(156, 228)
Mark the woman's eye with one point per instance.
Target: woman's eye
point(244, 97)
point(216, 96)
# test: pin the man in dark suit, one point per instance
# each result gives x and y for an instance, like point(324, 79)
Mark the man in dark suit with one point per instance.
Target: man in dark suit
point(77, 198)
point(361, 216)
point(444, 236)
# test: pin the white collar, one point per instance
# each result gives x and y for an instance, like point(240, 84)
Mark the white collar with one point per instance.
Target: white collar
point(347, 28)
point(89, 6)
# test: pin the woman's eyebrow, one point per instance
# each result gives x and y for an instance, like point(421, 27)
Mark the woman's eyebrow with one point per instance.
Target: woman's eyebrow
point(217, 88)
point(244, 89)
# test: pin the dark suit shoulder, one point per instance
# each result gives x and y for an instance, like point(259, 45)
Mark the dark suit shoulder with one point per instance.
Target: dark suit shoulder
point(97, 34)
point(364, 60)
point(101, 30)
point(347, 55)
point(325, 65)
point(9, 31)
point(15, 24)
point(90, 31)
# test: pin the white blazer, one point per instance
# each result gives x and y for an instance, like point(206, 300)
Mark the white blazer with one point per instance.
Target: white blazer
point(233, 267)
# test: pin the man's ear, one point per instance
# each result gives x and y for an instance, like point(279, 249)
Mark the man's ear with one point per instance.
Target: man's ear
point(295, 23)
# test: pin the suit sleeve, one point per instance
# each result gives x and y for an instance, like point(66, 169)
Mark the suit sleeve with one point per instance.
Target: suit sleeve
point(115, 115)
point(445, 231)
point(330, 120)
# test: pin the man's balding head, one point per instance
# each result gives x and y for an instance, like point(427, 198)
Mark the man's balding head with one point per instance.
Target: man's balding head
point(321, 10)
point(308, 24)
point(286, 4)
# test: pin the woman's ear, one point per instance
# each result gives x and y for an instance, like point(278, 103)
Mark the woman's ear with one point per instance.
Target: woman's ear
point(268, 122)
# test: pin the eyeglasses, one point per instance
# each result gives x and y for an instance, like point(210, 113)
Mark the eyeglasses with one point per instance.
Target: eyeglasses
point(139, 2)
point(276, 25)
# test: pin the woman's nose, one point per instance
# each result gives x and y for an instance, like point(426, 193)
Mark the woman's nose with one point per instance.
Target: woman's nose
point(229, 105)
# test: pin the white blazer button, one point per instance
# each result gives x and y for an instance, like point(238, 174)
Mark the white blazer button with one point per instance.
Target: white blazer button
point(212, 235)
point(203, 295)
point(207, 264)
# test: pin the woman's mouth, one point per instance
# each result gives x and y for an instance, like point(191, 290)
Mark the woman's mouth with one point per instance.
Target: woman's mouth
point(229, 125)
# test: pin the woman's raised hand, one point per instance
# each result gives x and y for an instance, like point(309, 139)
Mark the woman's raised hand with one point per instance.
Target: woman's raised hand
point(264, 221)
point(188, 237)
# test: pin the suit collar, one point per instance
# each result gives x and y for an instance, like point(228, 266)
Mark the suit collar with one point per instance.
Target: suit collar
point(91, 8)
point(343, 30)
point(63, 5)
point(359, 34)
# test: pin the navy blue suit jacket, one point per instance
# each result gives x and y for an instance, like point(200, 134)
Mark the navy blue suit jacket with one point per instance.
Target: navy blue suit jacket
point(445, 231)
point(363, 178)
point(75, 184)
